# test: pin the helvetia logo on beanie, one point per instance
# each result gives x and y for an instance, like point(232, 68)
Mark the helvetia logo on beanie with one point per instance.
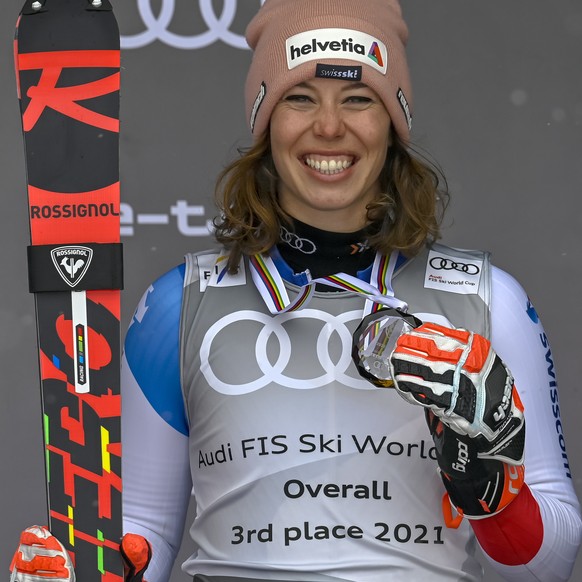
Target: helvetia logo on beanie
point(376, 54)
point(336, 43)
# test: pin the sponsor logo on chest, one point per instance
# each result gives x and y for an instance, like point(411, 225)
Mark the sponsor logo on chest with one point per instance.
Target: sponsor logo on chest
point(452, 274)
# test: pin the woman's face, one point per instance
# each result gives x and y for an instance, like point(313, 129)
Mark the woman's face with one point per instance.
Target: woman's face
point(329, 140)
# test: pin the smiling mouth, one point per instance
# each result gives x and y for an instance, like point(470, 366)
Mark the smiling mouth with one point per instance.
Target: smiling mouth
point(328, 166)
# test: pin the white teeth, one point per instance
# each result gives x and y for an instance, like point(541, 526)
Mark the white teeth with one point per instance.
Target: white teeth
point(328, 166)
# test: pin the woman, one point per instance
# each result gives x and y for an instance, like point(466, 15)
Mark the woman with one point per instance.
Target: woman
point(238, 381)
point(240, 366)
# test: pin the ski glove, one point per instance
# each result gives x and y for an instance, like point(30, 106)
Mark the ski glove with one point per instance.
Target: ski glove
point(137, 553)
point(40, 556)
point(473, 411)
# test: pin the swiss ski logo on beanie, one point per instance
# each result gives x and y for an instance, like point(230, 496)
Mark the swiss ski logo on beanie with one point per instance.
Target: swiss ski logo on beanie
point(336, 43)
point(353, 73)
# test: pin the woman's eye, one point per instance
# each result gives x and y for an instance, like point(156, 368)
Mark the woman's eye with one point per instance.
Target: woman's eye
point(298, 98)
point(359, 99)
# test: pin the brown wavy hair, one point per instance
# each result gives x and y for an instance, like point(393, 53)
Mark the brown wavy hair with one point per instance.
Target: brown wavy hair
point(405, 217)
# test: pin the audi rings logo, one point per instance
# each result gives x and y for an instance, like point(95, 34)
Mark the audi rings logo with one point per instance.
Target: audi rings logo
point(443, 264)
point(158, 27)
point(303, 245)
point(264, 369)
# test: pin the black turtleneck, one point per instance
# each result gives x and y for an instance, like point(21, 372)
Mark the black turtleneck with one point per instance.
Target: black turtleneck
point(323, 252)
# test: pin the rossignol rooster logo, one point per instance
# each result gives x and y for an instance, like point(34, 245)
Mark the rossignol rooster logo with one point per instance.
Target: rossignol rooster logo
point(72, 263)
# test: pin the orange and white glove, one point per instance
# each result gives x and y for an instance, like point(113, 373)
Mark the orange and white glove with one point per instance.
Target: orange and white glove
point(40, 556)
point(474, 414)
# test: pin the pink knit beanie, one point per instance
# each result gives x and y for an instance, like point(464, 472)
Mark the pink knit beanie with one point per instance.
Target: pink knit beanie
point(297, 40)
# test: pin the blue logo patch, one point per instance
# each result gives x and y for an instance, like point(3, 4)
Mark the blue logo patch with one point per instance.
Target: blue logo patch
point(532, 313)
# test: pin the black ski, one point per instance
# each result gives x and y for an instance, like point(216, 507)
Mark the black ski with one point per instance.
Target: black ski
point(68, 65)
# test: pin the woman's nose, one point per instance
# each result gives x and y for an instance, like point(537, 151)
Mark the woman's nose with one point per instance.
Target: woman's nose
point(328, 122)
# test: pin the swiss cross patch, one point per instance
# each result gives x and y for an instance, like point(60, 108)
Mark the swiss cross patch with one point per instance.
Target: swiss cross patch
point(72, 262)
